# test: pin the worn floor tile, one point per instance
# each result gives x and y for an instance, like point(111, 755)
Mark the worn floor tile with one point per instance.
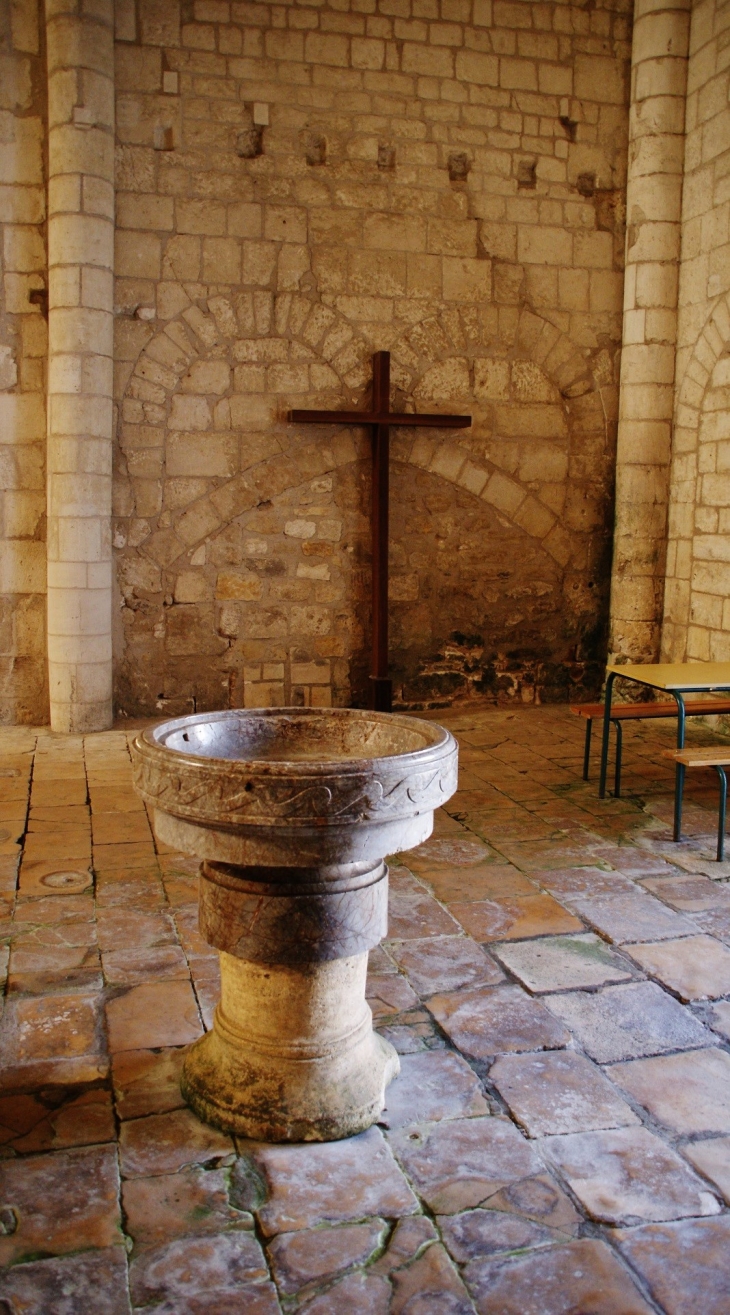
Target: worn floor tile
point(632, 917)
point(154, 1014)
point(91, 1283)
point(435, 1084)
point(413, 913)
point(562, 962)
point(430, 1282)
point(312, 1255)
point(477, 1234)
point(627, 1022)
point(712, 1157)
point(484, 1022)
point(689, 1093)
point(61, 1202)
point(627, 1175)
point(462, 1163)
point(689, 893)
point(147, 1081)
point(53, 1039)
point(164, 1143)
point(56, 1119)
point(583, 1276)
point(512, 918)
point(223, 1263)
point(389, 993)
point(185, 1203)
point(558, 1092)
point(443, 963)
point(696, 968)
point(332, 1182)
point(358, 1294)
point(685, 1265)
point(488, 881)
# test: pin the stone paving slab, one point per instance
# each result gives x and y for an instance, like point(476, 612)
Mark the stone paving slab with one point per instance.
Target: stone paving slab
point(627, 1175)
point(558, 1092)
point(583, 1276)
point(444, 963)
point(712, 1158)
point(563, 962)
point(631, 916)
point(435, 1084)
point(689, 1093)
point(485, 1022)
point(462, 1163)
point(696, 968)
point(60, 1203)
point(91, 1283)
point(686, 1265)
point(628, 1022)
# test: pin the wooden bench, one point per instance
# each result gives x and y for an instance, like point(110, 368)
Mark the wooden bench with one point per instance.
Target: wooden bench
point(719, 758)
point(638, 712)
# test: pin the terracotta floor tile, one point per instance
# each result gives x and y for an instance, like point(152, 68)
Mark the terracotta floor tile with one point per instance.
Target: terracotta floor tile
point(456, 851)
point(485, 1022)
point(147, 1081)
point(628, 1022)
point(389, 993)
point(358, 1294)
point(180, 1204)
point(583, 1276)
point(121, 929)
point(223, 1264)
point(689, 893)
point(628, 1175)
point(55, 1039)
point(109, 857)
point(563, 961)
point(559, 1092)
point(54, 908)
point(489, 881)
point(632, 916)
point(712, 1157)
point(164, 1143)
point(443, 963)
point(415, 914)
point(685, 1265)
point(430, 1281)
point(478, 1234)
point(58, 793)
point(45, 877)
point(462, 1163)
point(719, 1018)
point(332, 1182)
point(154, 1014)
point(135, 967)
point(697, 967)
point(91, 1283)
point(29, 1124)
point(689, 1093)
point(120, 828)
point(433, 1085)
point(306, 1258)
point(528, 915)
point(63, 1202)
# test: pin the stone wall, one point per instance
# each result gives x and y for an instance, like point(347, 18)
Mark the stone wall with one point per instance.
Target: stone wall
point(23, 346)
point(442, 182)
point(697, 610)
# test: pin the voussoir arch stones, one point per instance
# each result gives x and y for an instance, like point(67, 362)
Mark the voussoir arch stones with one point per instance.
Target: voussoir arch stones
point(234, 365)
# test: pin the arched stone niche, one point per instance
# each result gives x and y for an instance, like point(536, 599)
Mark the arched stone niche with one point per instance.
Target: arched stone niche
point(243, 542)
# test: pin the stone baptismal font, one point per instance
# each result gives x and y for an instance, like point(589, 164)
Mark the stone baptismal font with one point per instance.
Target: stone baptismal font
point(292, 812)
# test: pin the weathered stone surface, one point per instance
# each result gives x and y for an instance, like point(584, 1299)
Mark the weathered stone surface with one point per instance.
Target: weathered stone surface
point(147, 1081)
point(524, 915)
point(313, 1255)
point(477, 1234)
point(60, 1203)
point(628, 1174)
point(626, 1022)
point(632, 917)
point(581, 1276)
point(433, 1085)
point(563, 961)
point(331, 1183)
point(172, 1205)
point(154, 1014)
point(91, 1283)
point(491, 1022)
point(689, 893)
point(712, 1158)
point(462, 1163)
point(430, 1283)
point(687, 1093)
point(53, 1039)
point(719, 1017)
point(206, 1266)
point(558, 1092)
point(697, 967)
point(363, 1294)
point(164, 1143)
point(684, 1264)
point(445, 963)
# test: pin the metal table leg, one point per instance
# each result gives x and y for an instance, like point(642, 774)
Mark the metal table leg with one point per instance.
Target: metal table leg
point(680, 770)
point(721, 818)
point(606, 732)
point(619, 749)
point(587, 749)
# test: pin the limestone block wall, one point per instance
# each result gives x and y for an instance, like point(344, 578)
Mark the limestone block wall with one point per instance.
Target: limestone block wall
point(23, 344)
point(299, 185)
point(697, 612)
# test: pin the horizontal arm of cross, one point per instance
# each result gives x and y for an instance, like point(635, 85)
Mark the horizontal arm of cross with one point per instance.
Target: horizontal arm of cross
point(378, 418)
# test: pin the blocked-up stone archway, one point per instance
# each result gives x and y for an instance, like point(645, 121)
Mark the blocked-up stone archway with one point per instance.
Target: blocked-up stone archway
point(242, 542)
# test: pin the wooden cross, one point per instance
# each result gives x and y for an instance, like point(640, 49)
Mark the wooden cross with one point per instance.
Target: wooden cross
point(380, 418)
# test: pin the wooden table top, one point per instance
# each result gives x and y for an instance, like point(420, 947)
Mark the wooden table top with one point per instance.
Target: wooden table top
point(677, 675)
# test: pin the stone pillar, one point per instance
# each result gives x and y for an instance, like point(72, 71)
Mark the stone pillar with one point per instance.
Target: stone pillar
point(80, 270)
point(653, 203)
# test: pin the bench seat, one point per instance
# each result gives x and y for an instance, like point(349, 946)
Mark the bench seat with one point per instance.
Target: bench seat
point(638, 712)
point(717, 756)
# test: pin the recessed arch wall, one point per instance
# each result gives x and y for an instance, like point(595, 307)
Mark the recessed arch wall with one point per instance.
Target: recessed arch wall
point(242, 542)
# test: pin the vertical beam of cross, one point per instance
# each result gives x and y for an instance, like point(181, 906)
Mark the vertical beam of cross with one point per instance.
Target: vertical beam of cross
point(380, 418)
